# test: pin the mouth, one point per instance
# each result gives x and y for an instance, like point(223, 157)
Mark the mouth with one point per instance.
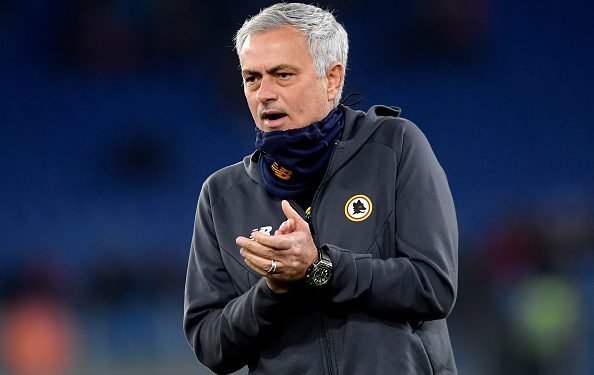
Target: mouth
point(273, 119)
point(273, 116)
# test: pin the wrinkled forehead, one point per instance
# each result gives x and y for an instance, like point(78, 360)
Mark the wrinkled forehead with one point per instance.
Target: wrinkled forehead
point(272, 45)
point(283, 29)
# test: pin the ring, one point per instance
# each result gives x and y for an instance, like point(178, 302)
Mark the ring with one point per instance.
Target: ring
point(272, 268)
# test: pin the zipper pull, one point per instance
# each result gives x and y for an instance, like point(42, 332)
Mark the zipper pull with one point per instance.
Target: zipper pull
point(309, 222)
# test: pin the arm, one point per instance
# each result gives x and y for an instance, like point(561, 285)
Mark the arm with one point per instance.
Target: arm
point(221, 326)
point(421, 282)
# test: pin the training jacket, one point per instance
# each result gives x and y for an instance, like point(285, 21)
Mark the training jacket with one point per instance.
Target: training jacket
point(395, 271)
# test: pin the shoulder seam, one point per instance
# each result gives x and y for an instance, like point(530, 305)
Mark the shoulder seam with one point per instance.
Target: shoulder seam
point(224, 193)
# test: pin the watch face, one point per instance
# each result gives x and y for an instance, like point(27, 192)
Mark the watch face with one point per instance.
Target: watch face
point(320, 275)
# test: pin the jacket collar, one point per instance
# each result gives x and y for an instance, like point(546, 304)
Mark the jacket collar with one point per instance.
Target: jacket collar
point(358, 128)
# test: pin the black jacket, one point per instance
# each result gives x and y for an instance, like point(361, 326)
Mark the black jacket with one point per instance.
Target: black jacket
point(395, 270)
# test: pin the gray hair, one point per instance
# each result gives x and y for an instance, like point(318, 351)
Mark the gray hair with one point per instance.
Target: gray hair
point(326, 38)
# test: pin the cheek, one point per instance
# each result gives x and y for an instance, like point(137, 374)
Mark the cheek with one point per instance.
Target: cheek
point(308, 98)
point(314, 104)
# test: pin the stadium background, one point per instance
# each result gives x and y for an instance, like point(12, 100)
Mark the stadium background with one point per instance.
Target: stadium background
point(112, 113)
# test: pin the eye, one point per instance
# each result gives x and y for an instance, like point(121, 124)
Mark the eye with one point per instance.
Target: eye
point(284, 75)
point(247, 80)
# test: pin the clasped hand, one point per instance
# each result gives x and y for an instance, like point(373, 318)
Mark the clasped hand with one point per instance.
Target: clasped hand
point(291, 246)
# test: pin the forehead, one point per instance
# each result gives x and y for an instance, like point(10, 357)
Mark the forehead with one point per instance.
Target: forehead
point(285, 45)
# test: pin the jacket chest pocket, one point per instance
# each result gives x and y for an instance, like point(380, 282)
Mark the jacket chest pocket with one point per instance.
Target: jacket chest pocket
point(361, 223)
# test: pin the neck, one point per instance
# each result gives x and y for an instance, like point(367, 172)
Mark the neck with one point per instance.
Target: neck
point(293, 161)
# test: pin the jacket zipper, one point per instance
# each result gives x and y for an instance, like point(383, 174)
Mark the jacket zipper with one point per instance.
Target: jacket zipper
point(327, 347)
point(318, 192)
point(313, 228)
point(324, 333)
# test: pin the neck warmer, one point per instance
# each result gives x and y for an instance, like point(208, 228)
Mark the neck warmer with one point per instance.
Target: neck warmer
point(293, 161)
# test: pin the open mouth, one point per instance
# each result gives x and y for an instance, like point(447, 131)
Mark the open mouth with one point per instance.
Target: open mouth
point(273, 116)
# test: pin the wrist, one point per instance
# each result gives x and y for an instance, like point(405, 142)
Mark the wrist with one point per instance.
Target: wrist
point(320, 273)
point(277, 286)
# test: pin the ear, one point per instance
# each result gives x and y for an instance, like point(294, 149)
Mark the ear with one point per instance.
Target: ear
point(335, 77)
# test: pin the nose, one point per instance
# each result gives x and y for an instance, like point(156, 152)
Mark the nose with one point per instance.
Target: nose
point(266, 91)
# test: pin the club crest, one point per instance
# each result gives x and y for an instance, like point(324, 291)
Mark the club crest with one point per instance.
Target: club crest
point(358, 208)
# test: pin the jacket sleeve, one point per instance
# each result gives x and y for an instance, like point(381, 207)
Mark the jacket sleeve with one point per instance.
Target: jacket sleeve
point(420, 283)
point(221, 326)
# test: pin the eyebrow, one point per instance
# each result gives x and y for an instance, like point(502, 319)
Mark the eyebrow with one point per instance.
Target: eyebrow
point(272, 70)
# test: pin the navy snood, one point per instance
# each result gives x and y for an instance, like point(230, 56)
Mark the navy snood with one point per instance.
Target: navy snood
point(293, 161)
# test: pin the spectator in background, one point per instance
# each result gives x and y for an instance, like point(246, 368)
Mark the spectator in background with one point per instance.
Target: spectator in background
point(362, 270)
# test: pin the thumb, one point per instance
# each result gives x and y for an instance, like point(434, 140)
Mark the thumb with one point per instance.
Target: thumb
point(290, 212)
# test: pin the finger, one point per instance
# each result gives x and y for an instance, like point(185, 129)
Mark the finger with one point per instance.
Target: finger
point(253, 257)
point(271, 243)
point(242, 241)
point(255, 268)
point(259, 264)
point(286, 227)
point(256, 247)
point(256, 243)
point(290, 212)
point(283, 227)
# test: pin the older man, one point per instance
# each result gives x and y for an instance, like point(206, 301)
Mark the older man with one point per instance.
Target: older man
point(332, 249)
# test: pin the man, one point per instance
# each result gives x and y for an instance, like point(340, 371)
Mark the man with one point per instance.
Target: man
point(332, 249)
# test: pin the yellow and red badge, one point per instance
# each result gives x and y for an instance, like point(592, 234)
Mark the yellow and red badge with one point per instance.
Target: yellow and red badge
point(358, 208)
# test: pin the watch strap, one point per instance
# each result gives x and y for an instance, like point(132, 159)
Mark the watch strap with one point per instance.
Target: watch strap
point(324, 254)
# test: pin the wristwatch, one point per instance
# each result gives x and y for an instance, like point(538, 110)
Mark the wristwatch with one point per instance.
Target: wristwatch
point(319, 274)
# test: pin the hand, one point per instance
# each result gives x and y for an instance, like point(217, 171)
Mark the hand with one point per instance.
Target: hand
point(291, 246)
